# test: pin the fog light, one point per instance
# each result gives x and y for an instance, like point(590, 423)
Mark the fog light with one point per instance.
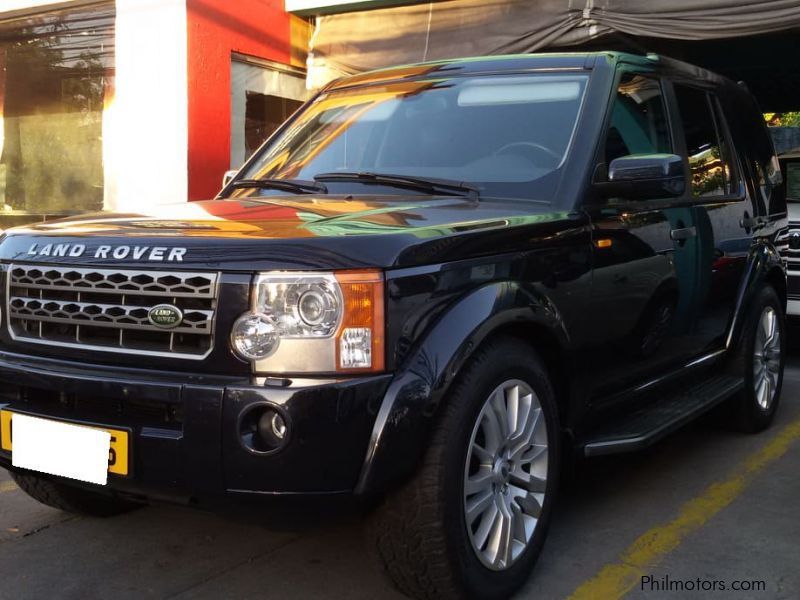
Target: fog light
point(264, 429)
point(276, 427)
point(254, 336)
point(272, 430)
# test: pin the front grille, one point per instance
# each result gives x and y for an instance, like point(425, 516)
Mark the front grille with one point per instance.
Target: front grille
point(99, 409)
point(107, 309)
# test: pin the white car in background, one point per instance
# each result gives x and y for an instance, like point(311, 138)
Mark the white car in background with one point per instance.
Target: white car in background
point(790, 169)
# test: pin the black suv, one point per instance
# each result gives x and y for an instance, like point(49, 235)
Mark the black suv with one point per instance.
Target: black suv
point(432, 287)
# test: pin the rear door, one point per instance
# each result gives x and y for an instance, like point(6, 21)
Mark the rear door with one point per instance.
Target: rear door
point(726, 216)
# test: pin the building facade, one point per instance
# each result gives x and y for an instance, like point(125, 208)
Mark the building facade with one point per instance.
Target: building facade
point(130, 104)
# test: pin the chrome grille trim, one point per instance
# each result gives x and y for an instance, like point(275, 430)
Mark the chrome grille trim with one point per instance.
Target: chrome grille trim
point(107, 309)
point(171, 284)
point(102, 315)
point(791, 256)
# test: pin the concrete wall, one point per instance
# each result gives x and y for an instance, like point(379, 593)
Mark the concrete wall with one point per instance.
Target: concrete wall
point(785, 138)
point(145, 129)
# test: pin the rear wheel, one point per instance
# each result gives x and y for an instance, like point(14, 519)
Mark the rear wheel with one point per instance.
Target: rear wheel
point(473, 520)
point(71, 499)
point(760, 359)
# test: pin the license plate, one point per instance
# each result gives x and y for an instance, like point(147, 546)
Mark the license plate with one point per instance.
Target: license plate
point(79, 452)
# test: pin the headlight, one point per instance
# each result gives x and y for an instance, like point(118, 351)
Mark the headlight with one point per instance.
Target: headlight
point(313, 323)
point(300, 305)
point(254, 336)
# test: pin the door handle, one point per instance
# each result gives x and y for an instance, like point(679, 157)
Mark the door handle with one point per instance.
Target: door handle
point(682, 234)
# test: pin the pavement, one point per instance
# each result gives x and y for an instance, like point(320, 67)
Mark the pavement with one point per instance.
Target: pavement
point(704, 508)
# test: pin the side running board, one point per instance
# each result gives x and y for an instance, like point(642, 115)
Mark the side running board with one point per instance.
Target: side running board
point(647, 424)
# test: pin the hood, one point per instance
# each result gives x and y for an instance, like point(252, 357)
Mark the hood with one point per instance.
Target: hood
point(298, 232)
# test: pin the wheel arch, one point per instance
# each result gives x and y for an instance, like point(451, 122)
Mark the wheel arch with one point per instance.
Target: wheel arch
point(549, 349)
point(419, 390)
point(776, 277)
point(764, 266)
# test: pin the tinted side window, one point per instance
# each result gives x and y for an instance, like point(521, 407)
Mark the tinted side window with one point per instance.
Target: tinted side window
point(708, 153)
point(754, 148)
point(638, 119)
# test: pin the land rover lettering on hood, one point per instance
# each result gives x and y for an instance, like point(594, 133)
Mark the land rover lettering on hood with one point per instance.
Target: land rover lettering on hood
point(145, 253)
point(430, 287)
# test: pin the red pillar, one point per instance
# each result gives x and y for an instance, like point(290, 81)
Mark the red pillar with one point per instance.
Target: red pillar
point(216, 28)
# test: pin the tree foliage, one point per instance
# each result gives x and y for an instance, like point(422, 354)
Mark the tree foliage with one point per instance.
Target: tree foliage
point(786, 119)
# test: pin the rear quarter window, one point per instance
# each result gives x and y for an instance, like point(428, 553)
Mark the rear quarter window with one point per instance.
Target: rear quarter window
point(754, 147)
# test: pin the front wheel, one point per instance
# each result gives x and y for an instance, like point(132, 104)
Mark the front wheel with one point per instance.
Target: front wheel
point(473, 520)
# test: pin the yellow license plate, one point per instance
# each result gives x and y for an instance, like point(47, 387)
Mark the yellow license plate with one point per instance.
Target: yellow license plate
point(117, 453)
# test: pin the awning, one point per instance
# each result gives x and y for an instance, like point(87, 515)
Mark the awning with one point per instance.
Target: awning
point(359, 41)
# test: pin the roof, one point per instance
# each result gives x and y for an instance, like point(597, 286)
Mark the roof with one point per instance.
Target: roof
point(520, 62)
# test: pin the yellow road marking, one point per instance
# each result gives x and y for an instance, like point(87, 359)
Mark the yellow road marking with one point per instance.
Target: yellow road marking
point(615, 580)
point(7, 486)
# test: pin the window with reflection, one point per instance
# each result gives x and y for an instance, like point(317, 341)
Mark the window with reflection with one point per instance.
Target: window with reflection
point(507, 135)
point(638, 119)
point(709, 156)
point(56, 78)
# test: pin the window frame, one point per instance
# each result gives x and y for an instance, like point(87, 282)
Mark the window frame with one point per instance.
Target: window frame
point(723, 133)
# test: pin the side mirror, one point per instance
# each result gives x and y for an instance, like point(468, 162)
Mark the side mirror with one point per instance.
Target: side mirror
point(228, 177)
point(642, 177)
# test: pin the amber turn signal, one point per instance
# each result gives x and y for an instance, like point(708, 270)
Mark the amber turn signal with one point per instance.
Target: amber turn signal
point(360, 338)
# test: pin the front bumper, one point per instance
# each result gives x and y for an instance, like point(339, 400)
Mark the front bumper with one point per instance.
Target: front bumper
point(185, 439)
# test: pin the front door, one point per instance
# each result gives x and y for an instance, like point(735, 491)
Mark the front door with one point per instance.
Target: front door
point(647, 257)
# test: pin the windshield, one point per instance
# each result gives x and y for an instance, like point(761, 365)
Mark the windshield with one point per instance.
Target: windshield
point(506, 135)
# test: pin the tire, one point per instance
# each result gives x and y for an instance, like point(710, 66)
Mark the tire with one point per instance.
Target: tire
point(420, 533)
point(751, 411)
point(71, 499)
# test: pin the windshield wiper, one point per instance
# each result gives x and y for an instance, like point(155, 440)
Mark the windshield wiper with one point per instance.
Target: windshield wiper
point(294, 186)
point(427, 184)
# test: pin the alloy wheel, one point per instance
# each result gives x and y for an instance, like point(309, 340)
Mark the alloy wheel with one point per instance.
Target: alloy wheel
point(505, 476)
point(767, 357)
